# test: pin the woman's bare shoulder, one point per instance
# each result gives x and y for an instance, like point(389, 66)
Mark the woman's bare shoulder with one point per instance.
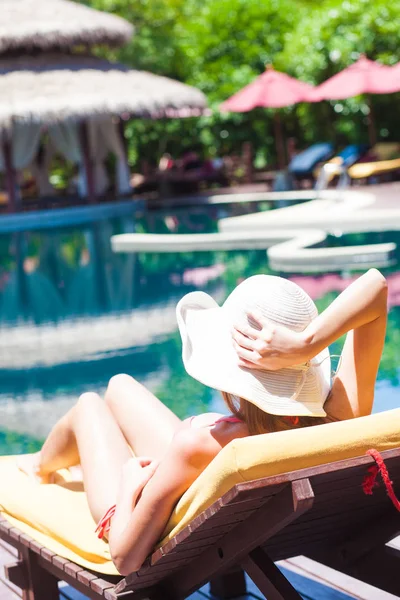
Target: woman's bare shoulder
point(211, 430)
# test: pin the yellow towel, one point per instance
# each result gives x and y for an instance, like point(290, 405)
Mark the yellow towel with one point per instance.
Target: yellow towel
point(361, 170)
point(58, 515)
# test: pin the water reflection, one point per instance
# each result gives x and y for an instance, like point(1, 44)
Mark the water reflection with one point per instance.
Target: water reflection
point(50, 276)
point(73, 314)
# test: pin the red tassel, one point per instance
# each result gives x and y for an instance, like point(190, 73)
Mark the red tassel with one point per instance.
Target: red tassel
point(103, 526)
point(370, 479)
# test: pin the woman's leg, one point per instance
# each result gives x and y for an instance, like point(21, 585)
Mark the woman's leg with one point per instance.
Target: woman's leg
point(147, 424)
point(58, 451)
point(101, 449)
point(102, 452)
point(95, 433)
point(60, 448)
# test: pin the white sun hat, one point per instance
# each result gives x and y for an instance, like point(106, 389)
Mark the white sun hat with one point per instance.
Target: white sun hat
point(209, 356)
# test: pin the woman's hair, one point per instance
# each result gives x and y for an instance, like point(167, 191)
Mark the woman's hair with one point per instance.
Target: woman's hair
point(259, 421)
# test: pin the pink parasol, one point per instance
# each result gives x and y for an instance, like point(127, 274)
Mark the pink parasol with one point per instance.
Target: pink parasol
point(395, 70)
point(362, 77)
point(272, 89)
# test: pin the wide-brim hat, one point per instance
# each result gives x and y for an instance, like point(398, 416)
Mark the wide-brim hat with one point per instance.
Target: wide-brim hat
point(209, 356)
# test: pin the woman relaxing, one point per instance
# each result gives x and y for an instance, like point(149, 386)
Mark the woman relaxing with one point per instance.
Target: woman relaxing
point(266, 350)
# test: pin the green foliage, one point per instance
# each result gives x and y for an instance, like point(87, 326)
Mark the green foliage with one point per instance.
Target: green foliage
point(229, 42)
point(327, 40)
point(154, 46)
point(226, 45)
point(220, 46)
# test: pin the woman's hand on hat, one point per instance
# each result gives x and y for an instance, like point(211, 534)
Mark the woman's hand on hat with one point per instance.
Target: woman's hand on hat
point(266, 345)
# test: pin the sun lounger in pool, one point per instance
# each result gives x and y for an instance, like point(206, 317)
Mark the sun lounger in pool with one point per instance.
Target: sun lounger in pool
point(262, 499)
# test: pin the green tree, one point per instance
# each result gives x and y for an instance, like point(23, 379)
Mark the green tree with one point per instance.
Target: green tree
point(222, 46)
point(218, 47)
point(331, 37)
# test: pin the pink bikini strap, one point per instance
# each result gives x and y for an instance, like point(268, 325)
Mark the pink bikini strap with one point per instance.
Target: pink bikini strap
point(230, 419)
point(103, 526)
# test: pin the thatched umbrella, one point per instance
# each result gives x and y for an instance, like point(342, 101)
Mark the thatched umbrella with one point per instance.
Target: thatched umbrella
point(57, 24)
point(45, 79)
point(54, 88)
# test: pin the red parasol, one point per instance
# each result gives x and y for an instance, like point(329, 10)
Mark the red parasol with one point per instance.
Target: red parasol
point(362, 77)
point(272, 89)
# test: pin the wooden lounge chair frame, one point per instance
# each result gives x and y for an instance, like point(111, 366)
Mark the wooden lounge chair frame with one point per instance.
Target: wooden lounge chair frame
point(321, 512)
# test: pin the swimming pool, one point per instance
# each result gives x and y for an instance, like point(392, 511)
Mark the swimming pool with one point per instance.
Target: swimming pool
point(73, 314)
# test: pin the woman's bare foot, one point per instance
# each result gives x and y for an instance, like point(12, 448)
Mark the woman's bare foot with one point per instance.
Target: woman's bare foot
point(30, 465)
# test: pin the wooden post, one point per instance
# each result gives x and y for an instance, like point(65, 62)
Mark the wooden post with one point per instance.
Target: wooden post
point(40, 584)
point(371, 122)
point(11, 181)
point(280, 145)
point(247, 155)
point(121, 129)
point(87, 161)
point(267, 577)
point(121, 132)
point(229, 585)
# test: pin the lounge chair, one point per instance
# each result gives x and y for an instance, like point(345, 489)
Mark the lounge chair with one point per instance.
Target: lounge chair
point(382, 159)
point(262, 499)
point(302, 165)
point(338, 164)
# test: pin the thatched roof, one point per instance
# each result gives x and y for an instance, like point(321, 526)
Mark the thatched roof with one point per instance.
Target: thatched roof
point(55, 88)
point(57, 24)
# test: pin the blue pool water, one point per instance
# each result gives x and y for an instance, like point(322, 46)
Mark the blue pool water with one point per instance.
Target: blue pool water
point(72, 314)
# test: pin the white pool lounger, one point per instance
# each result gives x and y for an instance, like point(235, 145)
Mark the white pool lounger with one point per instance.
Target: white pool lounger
point(198, 242)
point(289, 234)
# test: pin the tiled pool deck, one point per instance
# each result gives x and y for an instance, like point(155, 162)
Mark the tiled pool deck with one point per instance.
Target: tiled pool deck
point(357, 208)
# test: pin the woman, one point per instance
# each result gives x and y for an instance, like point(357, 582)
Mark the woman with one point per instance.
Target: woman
point(266, 350)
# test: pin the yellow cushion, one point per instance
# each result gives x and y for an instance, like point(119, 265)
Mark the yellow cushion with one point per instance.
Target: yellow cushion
point(58, 515)
point(361, 170)
point(258, 456)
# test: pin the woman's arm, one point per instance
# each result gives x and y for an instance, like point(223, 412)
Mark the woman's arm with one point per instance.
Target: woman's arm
point(360, 305)
point(360, 309)
point(353, 388)
point(136, 529)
